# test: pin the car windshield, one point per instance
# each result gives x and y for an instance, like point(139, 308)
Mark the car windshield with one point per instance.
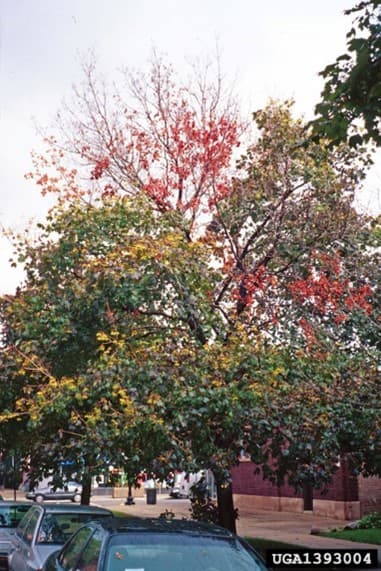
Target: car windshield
point(146, 551)
point(10, 516)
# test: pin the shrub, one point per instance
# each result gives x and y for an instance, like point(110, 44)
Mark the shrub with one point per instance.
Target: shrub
point(203, 508)
point(370, 521)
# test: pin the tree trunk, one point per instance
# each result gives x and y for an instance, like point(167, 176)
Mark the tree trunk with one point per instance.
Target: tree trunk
point(86, 490)
point(227, 514)
point(308, 496)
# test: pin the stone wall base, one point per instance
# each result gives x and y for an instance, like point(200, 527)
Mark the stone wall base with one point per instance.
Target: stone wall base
point(327, 508)
point(122, 492)
point(338, 510)
point(248, 502)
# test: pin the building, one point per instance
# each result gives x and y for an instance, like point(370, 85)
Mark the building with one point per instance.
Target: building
point(347, 497)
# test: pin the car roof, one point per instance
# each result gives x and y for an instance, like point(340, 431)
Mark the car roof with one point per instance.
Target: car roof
point(163, 525)
point(72, 508)
point(11, 503)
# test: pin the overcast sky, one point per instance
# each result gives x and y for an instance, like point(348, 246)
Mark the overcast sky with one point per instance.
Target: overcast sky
point(272, 48)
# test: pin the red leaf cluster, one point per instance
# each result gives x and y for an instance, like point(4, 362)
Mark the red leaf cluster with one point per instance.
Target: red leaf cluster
point(252, 284)
point(328, 291)
point(100, 166)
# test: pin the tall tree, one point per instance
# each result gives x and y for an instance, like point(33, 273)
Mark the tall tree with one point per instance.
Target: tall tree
point(164, 282)
point(115, 271)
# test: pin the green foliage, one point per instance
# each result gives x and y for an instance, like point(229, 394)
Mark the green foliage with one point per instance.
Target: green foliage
point(203, 508)
point(352, 89)
point(106, 296)
point(370, 521)
point(135, 343)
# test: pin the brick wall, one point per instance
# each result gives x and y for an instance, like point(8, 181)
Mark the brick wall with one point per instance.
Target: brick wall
point(370, 494)
point(246, 482)
point(344, 486)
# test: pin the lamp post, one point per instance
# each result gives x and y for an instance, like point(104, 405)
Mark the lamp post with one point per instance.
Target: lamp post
point(129, 500)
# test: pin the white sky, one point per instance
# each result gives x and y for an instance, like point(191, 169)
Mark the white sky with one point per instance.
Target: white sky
point(273, 48)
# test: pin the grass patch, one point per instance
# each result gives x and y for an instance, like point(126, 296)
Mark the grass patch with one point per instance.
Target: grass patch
point(121, 514)
point(361, 535)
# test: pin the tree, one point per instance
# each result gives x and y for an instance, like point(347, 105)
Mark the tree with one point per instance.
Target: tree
point(351, 99)
point(326, 410)
point(114, 274)
point(174, 279)
point(173, 140)
point(12, 449)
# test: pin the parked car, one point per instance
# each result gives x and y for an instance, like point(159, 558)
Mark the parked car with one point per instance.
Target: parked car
point(44, 529)
point(183, 482)
point(70, 491)
point(124, 544)
point(11, 513)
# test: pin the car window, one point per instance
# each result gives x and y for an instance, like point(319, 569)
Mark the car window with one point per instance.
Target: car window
point(30, 528)
point(59, 527)
point(17, 514)
point(50, 530)
point(24, 522)
point(4, 517)
point(10, 516)
point(72, 550)
point(90, 555)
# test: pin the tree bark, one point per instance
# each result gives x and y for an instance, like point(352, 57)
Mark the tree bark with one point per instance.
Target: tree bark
point(227, 513)
point(86, 490)
point(308, 496)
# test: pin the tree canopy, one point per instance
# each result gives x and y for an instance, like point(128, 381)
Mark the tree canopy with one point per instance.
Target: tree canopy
point(179, 309)
point(351, 100)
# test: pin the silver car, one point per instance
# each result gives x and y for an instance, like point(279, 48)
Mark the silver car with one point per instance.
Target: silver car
point(70, 491)
point(11, 513)
point(44, 529)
